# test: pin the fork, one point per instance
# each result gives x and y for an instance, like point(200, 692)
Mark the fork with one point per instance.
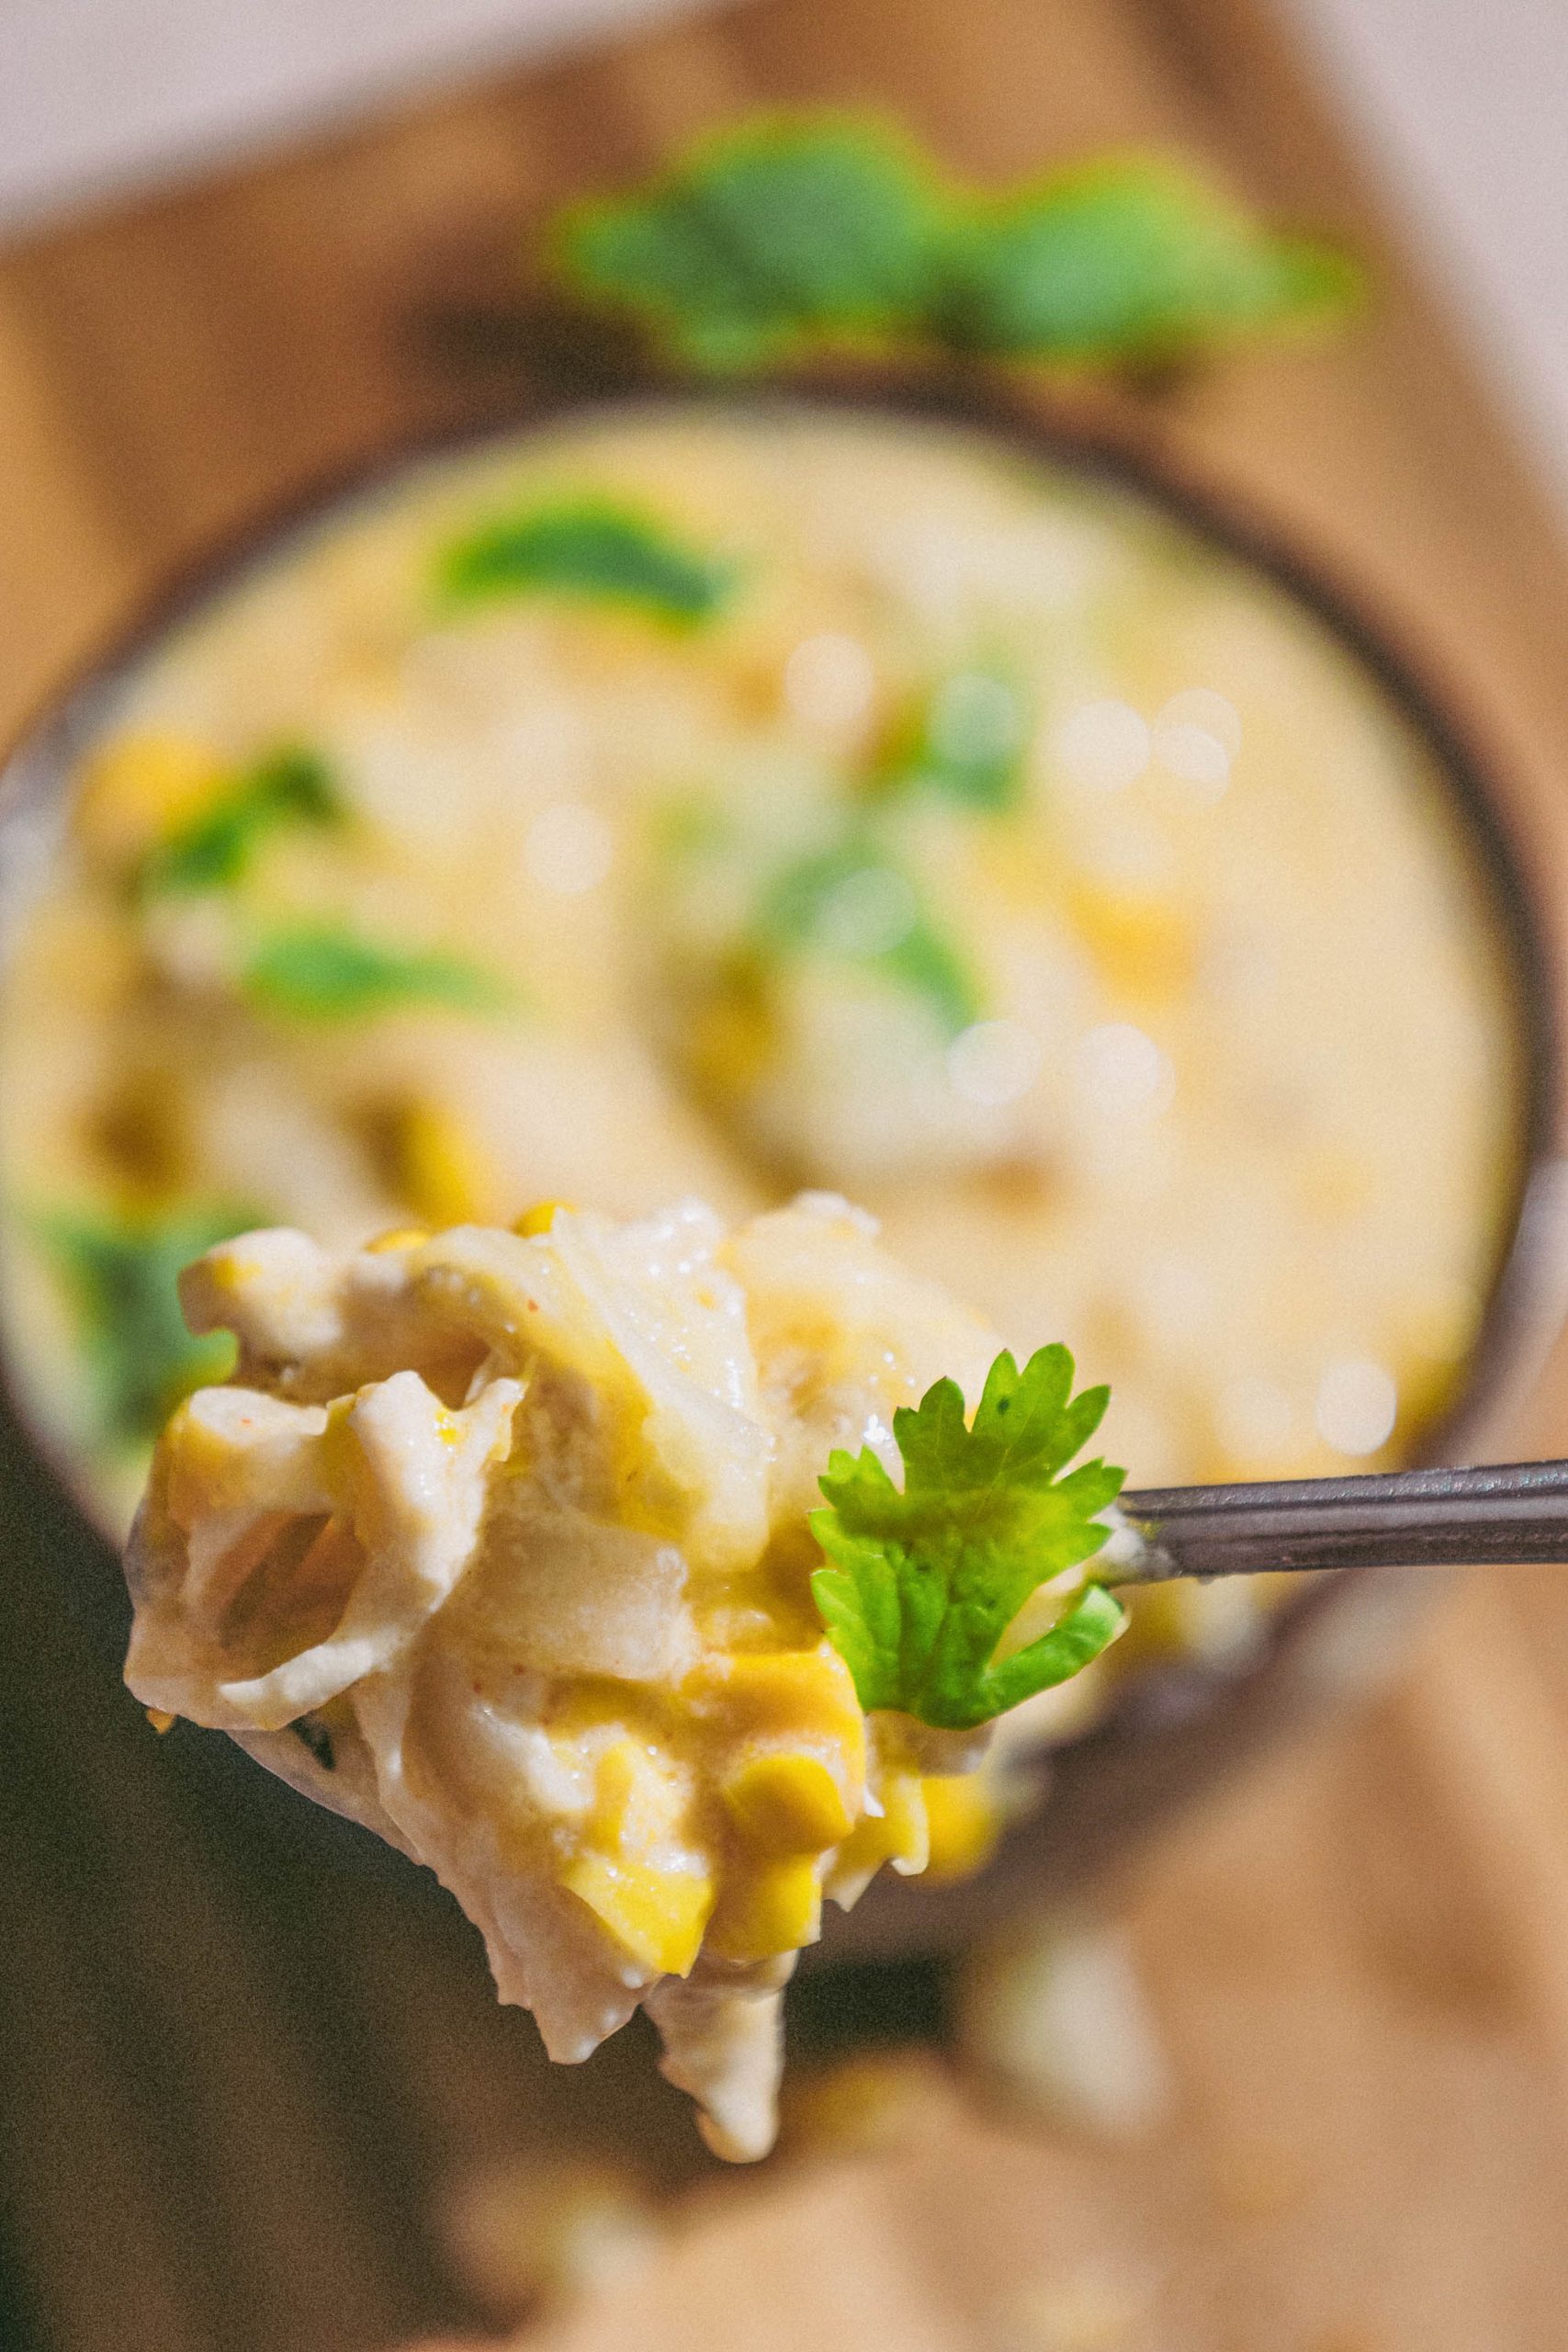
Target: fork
point(1509, 1512)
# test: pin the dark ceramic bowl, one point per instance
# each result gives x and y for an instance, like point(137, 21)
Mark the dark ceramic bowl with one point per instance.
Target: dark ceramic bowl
point(1171, 1730)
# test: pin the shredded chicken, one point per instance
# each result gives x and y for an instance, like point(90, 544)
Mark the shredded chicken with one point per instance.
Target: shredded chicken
point(498, 1544)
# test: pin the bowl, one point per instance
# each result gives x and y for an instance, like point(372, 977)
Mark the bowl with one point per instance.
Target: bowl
point(1175, 1727)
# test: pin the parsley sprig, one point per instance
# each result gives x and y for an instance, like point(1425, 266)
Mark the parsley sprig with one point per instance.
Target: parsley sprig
point(789, 233)
point(854, 901)
point(923, 1581)
point(215, 848)
point(589, 550)
point(121, 1275)
point(787, 228)
point(966, 743)
point(320, 972)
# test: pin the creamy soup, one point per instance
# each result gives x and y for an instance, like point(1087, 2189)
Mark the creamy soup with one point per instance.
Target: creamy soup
point(687, 799)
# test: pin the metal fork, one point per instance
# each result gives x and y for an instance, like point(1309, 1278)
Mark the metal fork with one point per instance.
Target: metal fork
point(1508, 1512)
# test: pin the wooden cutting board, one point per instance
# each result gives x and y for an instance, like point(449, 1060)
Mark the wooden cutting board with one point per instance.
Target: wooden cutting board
point(241, 2056)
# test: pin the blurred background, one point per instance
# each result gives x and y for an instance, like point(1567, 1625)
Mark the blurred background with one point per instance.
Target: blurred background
point(1295, 2072)
point(1461, 127)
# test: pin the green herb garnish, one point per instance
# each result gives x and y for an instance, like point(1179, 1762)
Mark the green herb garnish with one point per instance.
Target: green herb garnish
point(784, 228)
point(214, 848)
point(796, 232)
point(319, 972)
point(852, 901)
point(122, 1275)
point(966, 744)
point(1131, 260)
point(924, 1581)
point(587, 548)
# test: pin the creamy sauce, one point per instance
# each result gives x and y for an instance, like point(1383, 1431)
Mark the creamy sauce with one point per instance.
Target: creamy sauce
point(959, 834)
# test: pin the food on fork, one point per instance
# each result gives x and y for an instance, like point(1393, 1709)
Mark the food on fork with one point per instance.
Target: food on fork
point(512, 1544)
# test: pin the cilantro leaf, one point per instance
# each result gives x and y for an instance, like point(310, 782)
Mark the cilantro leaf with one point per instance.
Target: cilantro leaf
point(213, 849)
point(966, 743)
point(795, 232)
point(122, 1275)
point(923, 1581)
point(319, 972)
point(787, 225)
point(1131, 259)
point(854, 901)
point(589, 548)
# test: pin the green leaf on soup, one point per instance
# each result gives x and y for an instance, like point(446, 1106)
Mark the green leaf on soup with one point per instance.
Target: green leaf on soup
point(212, 850)
point(852, 901)
point(787, 226)
point(122, 1274)
point(966, 743)
point(923, 1581)
point(1132, 259)
point(589, 548)
point(319, 972)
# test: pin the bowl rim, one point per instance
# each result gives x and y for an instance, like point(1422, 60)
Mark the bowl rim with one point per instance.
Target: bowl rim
point(1522, 1309)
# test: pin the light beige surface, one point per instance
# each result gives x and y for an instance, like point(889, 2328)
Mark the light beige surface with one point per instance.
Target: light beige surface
point(1359, 1962)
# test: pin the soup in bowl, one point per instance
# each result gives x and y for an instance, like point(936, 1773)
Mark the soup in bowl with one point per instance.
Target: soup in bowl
point(742, 798)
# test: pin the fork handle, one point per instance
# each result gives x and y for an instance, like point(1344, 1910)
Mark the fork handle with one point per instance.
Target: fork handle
point(1511, 1512)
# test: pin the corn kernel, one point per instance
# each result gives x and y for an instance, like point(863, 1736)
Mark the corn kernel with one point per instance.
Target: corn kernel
point(161, 1719)
point(635, 1803)
point(402, 1237)
point(764, 1912)
point(962, 1821)
point(656, 1915)
point(438, 1168)
point(538, 1219)
point(901, 1834)
point(137, 790)
point(788, 1802)
point(796, 1692)
point(729, 1047)
point(1143, 944)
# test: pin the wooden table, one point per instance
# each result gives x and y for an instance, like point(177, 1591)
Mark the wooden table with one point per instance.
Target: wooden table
point(224, 2113)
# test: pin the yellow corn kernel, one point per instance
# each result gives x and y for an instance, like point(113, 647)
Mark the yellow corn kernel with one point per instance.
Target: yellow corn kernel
point(138, 788)
point(342, 1457)
point(794, 1692)
point(139, 1130)
point(729, 1046)
point(656, 1915)
point(767, 1911)
point(635, 1805)
point(962, 1823)
point(788, 1802)
point(161, 1719)
point(402, 1237)
point(1141, 941)
point(438, 1168)
point(901, 1834)
point(538, 1219)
